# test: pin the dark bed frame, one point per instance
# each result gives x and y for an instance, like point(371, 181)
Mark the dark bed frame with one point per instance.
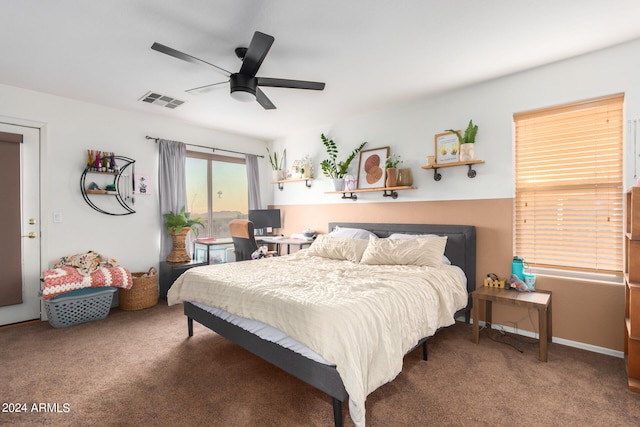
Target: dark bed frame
point(461, 251)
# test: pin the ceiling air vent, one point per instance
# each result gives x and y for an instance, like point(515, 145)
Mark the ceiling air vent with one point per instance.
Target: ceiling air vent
point(161, 100)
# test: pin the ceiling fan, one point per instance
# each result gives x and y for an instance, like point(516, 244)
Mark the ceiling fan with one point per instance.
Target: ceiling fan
point(245, 86)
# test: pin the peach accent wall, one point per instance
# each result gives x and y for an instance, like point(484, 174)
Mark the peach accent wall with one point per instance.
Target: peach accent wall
point(584, 311)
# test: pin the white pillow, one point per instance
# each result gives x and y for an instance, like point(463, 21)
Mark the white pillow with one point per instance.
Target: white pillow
point(411, 236)
point(336, 248)
point(351, 233)
point(445, 260)
point(425, 252)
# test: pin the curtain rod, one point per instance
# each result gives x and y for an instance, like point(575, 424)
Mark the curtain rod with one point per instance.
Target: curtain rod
point(209, 148)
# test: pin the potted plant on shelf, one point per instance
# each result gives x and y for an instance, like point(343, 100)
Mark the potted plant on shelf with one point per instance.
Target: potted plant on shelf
point(178, 226)
point(277, 163)
point(467, 141)
point(334, 169)
point(390, 166)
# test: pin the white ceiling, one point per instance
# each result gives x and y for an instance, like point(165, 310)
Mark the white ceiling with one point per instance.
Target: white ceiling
point(372, 54)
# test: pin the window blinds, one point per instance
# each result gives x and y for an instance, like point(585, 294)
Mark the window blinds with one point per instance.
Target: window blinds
point(568, 204)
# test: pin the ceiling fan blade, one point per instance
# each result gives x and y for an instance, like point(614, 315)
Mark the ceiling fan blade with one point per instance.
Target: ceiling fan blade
point(263, 100)
point(256, 52)
point(293, 84)
point(183, 56)
point(206, 88)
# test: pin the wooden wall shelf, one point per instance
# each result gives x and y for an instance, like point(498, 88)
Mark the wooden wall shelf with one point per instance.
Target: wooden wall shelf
point(123, 199)
point(386, 192)
point(307, 182)
point(471, 173)
point(632, 288)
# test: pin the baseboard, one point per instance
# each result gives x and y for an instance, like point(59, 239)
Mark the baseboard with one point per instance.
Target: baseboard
point(569, 343)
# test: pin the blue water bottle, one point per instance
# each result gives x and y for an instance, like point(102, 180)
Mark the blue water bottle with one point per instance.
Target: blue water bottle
point(517, 267)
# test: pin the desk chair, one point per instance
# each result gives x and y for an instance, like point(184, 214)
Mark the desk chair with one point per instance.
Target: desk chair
point(244, 241)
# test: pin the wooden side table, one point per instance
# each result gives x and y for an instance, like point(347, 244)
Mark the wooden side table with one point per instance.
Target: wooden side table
point(540, 300)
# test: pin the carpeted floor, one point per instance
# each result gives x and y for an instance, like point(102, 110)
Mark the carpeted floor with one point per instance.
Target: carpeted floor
point(140, 369)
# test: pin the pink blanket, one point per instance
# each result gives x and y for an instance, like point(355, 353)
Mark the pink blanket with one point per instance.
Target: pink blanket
point(65, 279)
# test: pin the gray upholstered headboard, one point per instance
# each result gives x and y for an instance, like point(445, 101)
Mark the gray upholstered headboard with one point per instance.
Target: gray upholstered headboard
point(460, 249)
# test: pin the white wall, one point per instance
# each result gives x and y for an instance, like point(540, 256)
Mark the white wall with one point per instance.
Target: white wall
point(69, 129)
point(409, 129)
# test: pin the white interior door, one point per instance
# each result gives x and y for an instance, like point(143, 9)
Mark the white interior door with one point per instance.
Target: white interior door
point(29, 211)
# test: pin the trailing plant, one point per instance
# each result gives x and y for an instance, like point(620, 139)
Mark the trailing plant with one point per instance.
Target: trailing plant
point(392, 161)
point(276, 164)
point(331, 168)
point(176, 222)
point(469, 136)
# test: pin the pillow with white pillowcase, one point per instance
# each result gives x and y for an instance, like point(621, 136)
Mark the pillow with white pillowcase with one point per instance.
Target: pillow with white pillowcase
point(423, 252)
point(399, 236)
point(351, 233)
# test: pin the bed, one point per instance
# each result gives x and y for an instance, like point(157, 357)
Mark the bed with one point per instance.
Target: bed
point(209, 295)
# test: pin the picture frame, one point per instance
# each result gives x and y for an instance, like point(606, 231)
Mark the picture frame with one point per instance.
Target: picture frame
point(447, 148)
point(372, 167)
point(143, 184)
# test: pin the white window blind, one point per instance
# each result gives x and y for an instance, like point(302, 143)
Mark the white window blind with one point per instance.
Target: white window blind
point(569, 194)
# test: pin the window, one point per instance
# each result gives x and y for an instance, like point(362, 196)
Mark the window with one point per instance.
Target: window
point(217, 191)
point(569, 186)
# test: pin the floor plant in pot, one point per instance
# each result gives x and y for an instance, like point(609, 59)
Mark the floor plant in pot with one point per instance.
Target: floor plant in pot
point(467, 141)
point(178, 226)
point(331, 167)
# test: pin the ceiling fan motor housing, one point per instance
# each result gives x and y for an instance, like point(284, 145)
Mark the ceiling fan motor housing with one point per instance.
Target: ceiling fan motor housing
point(243, 88)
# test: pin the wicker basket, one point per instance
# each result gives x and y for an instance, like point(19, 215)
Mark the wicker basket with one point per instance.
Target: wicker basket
point(143, 293)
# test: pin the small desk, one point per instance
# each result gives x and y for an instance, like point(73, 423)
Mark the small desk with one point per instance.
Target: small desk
point(540, 300)
point(284, 241)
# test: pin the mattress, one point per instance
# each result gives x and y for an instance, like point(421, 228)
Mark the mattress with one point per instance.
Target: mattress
point(266, 332)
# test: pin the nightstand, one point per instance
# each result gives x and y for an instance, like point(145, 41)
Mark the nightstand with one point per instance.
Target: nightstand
point(170, 271)
point(539, 300)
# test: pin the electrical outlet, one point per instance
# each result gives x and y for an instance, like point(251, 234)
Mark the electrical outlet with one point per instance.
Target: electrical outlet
point(57, 217)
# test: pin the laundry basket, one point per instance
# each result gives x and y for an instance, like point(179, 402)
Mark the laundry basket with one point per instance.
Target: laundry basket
point(142, 294)
point(79, 306)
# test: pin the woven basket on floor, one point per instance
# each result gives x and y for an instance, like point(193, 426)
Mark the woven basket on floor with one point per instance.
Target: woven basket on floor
point(143, 293)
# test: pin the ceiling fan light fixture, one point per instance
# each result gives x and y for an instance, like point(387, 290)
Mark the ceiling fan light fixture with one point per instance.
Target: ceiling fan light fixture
point(242, 94)
point(243, 88)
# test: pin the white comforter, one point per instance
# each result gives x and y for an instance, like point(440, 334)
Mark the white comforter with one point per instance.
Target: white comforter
point(362, 318)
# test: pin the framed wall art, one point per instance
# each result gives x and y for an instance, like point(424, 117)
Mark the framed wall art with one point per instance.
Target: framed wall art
point(371, 167)
point(447, 148)
point(142, 184)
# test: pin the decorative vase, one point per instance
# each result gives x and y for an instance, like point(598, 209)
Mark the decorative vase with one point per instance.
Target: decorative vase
point(467, 152)
point(350, 182)
point(278, 175)
point(391, 177)
point(405, 177)
point(179, 251)
point(338, 184)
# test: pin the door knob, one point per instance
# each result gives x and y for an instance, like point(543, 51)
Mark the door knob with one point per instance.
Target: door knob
point(31, 235)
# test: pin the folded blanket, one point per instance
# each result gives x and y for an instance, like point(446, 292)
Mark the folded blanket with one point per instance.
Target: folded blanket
point(65, 279)
point(86, 262)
